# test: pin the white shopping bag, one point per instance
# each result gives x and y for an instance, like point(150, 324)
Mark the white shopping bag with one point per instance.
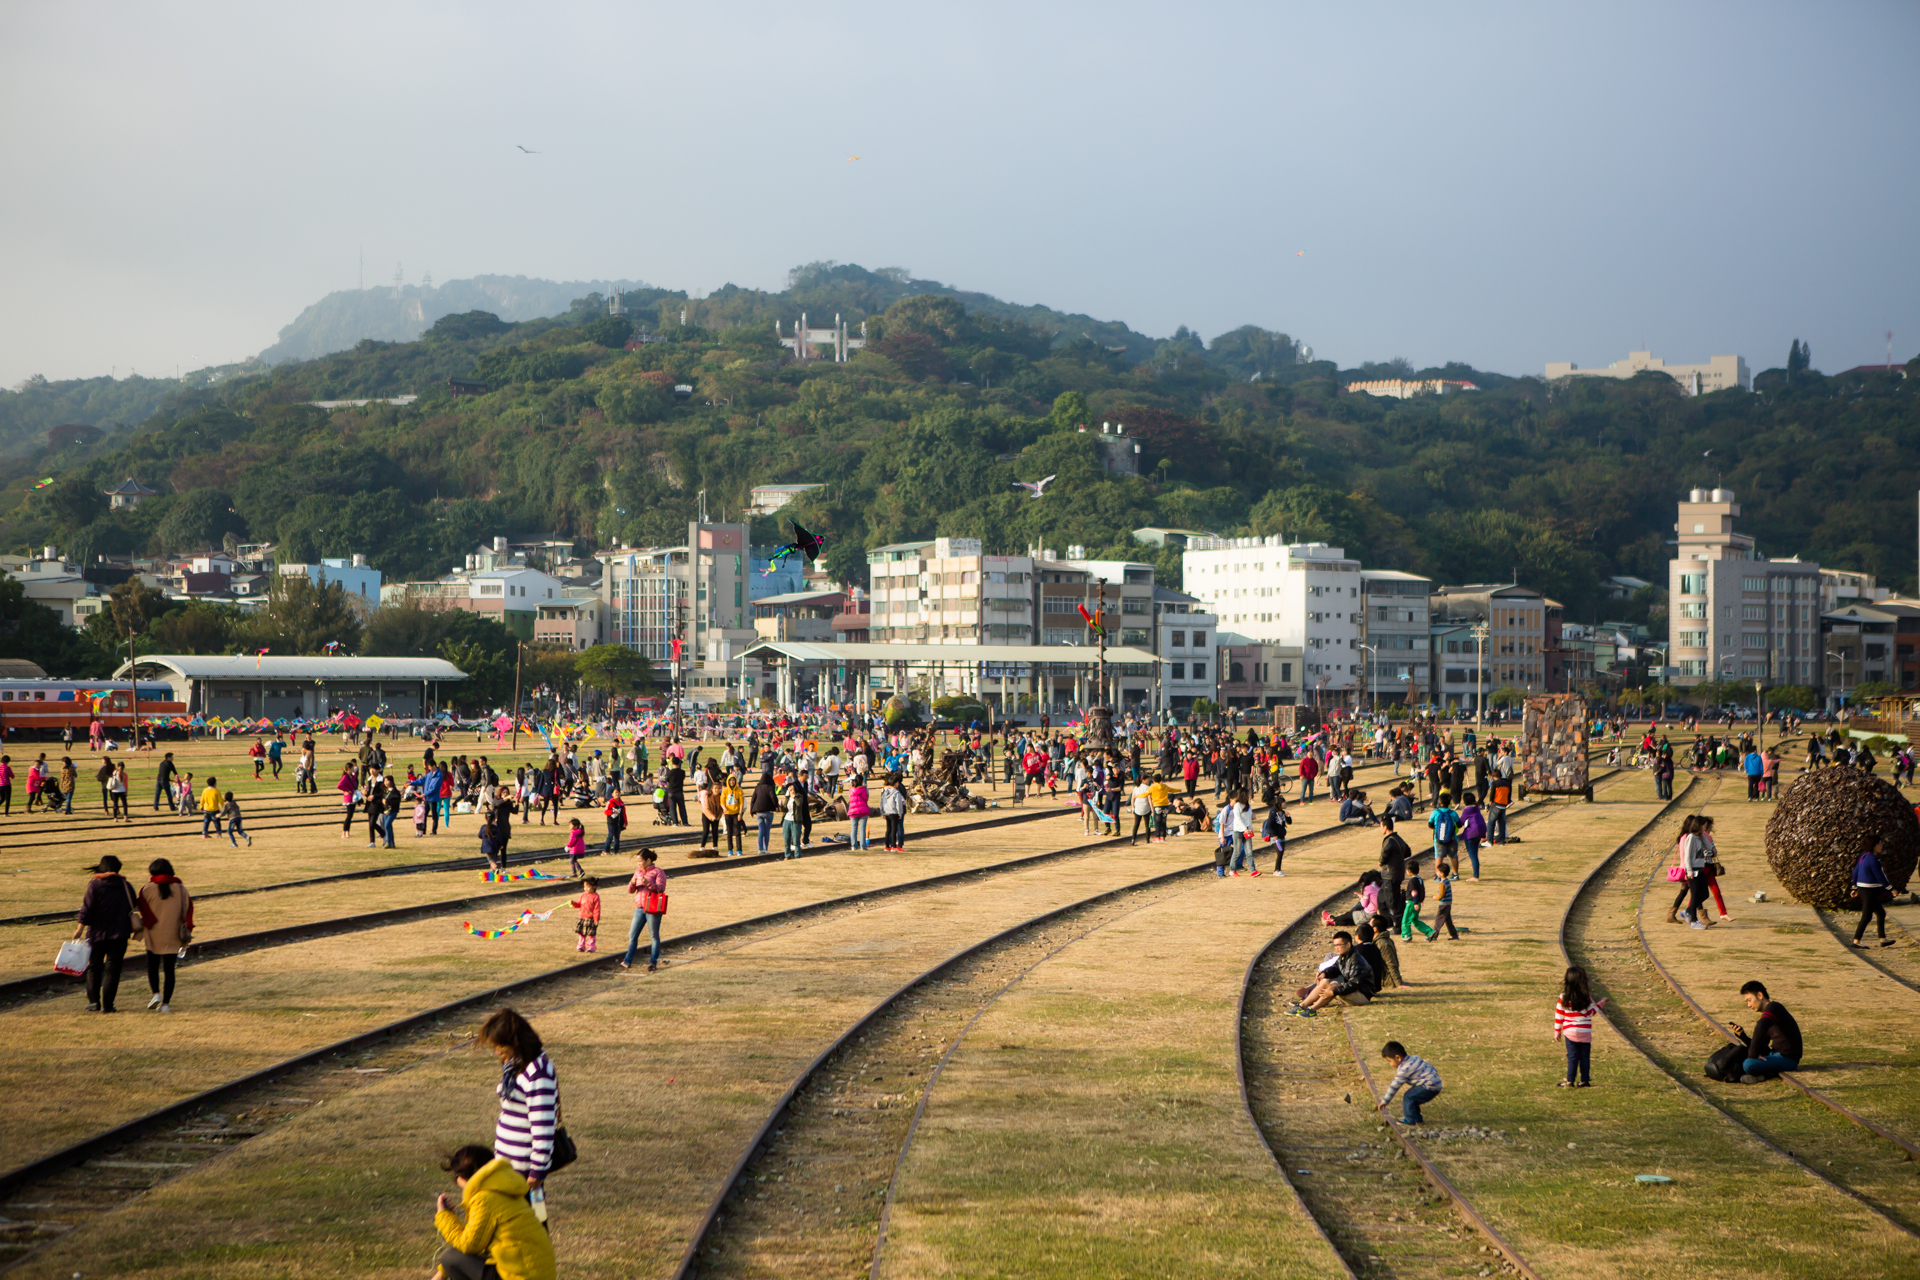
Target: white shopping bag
point(73, 957)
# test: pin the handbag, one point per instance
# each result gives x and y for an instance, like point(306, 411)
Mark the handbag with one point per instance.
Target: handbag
point(1676, 874)
point(1719, 870)
point(74, 955)
point(564, 1152)
point(654, 903)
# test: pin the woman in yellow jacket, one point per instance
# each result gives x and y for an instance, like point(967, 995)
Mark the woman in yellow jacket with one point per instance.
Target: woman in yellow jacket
point(500, 1232)
point(733, 803)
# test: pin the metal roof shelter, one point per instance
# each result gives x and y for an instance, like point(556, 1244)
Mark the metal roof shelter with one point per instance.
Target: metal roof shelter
point(247, 687)
point(1052, 675)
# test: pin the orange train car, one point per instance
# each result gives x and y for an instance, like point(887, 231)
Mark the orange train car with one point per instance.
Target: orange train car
point(42, 708)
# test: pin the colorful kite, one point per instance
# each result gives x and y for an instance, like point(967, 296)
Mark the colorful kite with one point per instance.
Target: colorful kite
point(491, 934)
point(502, 877)
point(44, 483)
point(256, 658)
point(807, 544)
point(1096, 621)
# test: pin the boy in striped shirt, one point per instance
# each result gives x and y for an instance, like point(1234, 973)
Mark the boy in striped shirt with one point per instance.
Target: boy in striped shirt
point(1418, 1076)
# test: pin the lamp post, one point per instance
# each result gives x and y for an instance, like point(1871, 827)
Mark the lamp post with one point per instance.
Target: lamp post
point(1373, 681)
point(1841, 658)
point(1760, 718)
point(1479, 675)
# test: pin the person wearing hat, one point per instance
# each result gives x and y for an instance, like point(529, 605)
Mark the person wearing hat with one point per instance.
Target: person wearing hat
point(107, 920)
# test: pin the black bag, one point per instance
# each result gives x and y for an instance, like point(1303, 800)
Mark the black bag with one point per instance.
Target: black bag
point(564, 1152)
point(1722, 1065)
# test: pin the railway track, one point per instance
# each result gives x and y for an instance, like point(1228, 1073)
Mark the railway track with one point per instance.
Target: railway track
point(1345, 1163)
point(237, 944)
point(50, 1196)
point(769, 1220)
point(1822, 1144)
point(1901, 963)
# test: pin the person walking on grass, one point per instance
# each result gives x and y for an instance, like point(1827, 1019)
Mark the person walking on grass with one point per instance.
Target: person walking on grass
point(230, 814)
point(616, 816)
point(1473, 829)
point(1416, 891)
point(1875, 890)
point(649, 889)
point(1444, 875)
point(106, 922)
point(117, 792)
point(1444, 821)
point(1274, 832)
point(210, 802)
point(765, 804)
point(576, 848)
point(166, 910)
point(1237, 826)
point(501, 1238)
point(1573, 1022)
point(858, 811)
point(1416, 1075)
point(893, 808)
point(529, 1093)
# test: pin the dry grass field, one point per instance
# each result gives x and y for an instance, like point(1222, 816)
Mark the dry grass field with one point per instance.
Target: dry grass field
point(1087, 1118)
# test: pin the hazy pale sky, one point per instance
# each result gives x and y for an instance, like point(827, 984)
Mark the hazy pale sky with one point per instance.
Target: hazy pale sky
point(1500, 184)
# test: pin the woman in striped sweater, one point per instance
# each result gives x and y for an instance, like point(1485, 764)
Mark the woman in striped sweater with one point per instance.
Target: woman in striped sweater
point(529, 1096)
point(1573, 1022)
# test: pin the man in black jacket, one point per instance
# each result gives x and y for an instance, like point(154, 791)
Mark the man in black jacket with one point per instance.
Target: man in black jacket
point(676, 793)
point(163, 783)
point(1349, 979)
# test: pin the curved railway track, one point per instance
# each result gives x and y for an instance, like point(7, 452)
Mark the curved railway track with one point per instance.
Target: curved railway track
point(1342, 1173)
point(237, 944)
point(1900, 963)
point(1638, 984)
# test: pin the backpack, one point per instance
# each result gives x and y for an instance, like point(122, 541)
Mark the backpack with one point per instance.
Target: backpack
point(1444, 828)
point(1723, 1064)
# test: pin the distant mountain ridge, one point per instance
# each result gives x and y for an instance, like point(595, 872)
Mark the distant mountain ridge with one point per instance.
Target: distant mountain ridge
point(387, 314)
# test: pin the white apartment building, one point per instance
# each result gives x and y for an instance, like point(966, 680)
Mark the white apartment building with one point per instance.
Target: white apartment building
point(948, 591)
point(1717, 374)
point(1185, 634)
point(1305, 595)
point(1734, 614)
point(1395, 637)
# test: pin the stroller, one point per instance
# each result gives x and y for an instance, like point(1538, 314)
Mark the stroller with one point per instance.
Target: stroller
point(660, 805)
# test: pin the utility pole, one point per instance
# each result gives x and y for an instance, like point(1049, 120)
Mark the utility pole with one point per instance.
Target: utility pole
point(1100, 622)
point(1479, 675)
point(513, 713)
point(134, 687)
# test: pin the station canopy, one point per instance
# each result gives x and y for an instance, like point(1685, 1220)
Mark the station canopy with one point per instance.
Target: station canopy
point(999, 655)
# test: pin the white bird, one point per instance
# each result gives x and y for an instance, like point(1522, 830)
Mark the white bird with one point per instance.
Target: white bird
point(1037, 488)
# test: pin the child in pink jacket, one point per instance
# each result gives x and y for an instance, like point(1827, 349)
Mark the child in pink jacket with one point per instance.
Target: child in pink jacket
point(588, 926)
point(576, 848)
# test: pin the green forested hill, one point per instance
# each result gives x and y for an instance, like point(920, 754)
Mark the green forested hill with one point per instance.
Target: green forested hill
point(954, 399)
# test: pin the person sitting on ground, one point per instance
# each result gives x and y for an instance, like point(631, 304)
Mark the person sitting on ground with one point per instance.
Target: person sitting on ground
point(1349, 980)
point(1775, 1044)
point(501, 1237)
point(1368, 887)
point(1400, 804)
point(1355, 811)
point(1365, 941)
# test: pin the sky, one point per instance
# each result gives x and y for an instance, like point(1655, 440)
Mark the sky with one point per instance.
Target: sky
point(1503, 185)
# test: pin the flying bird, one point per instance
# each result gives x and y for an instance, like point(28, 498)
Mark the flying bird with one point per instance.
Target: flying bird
point(531, 153)
point(807, 544)
point(1037, 488)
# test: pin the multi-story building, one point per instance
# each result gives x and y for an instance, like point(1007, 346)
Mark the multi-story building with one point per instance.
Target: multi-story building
point(694, 593)
point(1184, 642)
point(572, 622)
point(49, 580)
point(1394, 638)
point(1128, 597)
point(1461, 677)
point(1304, 596)
point(354, 575)
point(1733, 613)
point(1717, 374)
point(1408, 388)
point(799, 615)
point(1257, 675)
point(948, 591)
point(1517, 636)
point(1870, 644)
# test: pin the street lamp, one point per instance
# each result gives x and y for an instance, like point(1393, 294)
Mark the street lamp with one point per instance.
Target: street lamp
point(1373, 673)
point(1841, 658)
point(1479, 675)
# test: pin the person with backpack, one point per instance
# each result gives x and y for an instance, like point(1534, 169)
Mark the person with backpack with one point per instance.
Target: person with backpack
point(1473, 829)
point(1445, 823)
point(1274, 832)
point(1775, 1045)
point(106, 921)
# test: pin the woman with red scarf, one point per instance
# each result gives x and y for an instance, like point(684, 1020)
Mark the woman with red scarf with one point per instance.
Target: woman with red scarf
point(166, 910)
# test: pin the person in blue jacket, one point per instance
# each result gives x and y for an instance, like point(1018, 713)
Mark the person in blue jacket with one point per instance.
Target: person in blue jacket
point(1871, 883)
point(1756, 769)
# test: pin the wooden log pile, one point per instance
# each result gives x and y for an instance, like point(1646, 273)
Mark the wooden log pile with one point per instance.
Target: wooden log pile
point(1825, 821)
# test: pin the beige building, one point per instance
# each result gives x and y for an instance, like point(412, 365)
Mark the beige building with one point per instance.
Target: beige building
point(1408, 388)
point(947, 591)
point(1733, 613)
point(1717, 374)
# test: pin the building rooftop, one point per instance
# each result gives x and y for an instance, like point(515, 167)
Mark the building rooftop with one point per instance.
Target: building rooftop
point(247, 666)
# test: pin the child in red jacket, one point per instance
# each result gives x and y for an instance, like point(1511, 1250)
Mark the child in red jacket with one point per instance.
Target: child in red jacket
point(588, 926)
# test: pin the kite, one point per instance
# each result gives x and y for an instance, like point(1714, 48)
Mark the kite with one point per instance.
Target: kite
point(44, 483)
point(1301, 254)
point(852, 158)
point(256, 658)
point(1038, 488)
point(491, 934)
point(501, 877)
point(1095, 620)
point(807, 544)
point(331, 648)
point(531, 153)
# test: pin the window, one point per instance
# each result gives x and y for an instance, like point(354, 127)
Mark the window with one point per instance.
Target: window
point(1693, 640)
point(1693, 666)
point(1133, 604)
point(1753, 612)
point(1693, 584)
point(1179, 640)
point(1753, 584)
point(1691, 610)
point(1179, 670)
point(1752, 641)
point(1199, 639)
point(1286, 673)
point(1236, 674)
point(1199, 671)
